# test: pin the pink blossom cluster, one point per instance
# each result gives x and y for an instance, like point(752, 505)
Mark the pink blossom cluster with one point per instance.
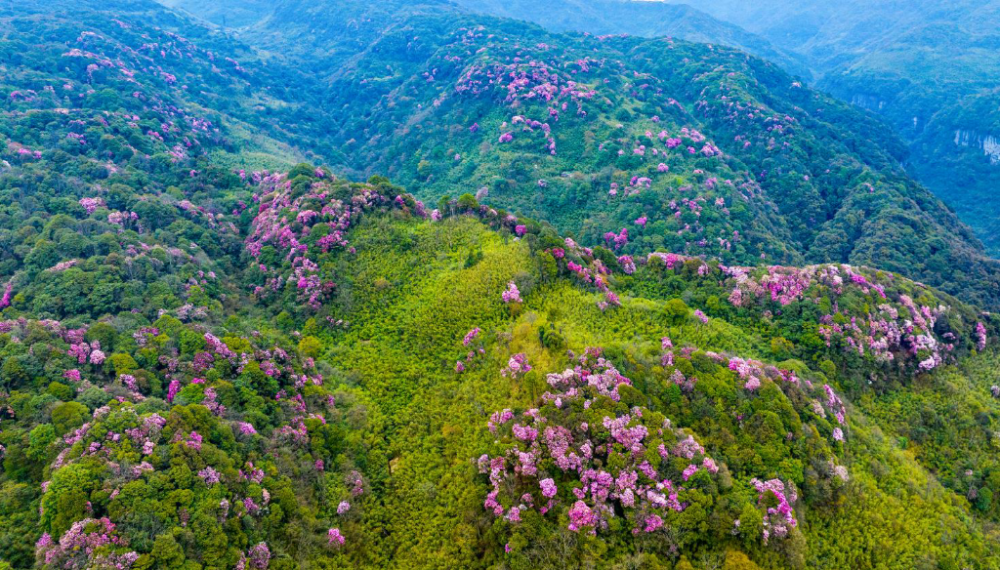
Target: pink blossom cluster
point(335, 538)
point(285, 220)
point(89, 543)
point(91, 204)
point(517, 366)
point(616, 241)
point(777, 500)
point(561, 463)
point(511, 294)
point(87, 352)
point(8, 291)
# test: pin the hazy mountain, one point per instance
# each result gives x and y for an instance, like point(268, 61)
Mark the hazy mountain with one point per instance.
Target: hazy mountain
point(927, 67)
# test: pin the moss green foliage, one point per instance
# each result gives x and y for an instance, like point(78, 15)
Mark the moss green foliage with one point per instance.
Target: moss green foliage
point(291, 370)
point(410, 427)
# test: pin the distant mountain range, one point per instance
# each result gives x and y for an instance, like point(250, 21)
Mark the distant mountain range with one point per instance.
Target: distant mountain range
point(396, 83)
point(925, 68)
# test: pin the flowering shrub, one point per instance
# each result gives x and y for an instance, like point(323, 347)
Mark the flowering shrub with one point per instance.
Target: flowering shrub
point(242, 368)
point(89, 543)
point(511, 294)
point(865, 316)
point(777, 500)
point(555, 458)
point(290, 220)
point(123, 446)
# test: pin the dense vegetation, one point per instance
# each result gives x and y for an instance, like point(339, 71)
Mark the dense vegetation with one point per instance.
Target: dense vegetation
point(926, 67)
point(213, 355)
point(592, 134)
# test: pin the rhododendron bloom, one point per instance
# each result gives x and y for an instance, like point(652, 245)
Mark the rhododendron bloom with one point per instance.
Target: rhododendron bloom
point(7, 292)
point(511, 294)
point(209, 475)
point(627, 264)
point(517, 366)
point(172, 390)
point(260, 556)
point(653, 523)
point(335, 538)
point(470, 336)
point(91, 204)
point(779, 520)
point(581, 517)
point(194, 441)
point(548, 487)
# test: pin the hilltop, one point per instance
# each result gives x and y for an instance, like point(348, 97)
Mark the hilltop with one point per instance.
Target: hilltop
point(218, 349)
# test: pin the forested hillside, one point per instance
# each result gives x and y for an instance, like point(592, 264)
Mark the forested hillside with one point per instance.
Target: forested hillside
point(593, 134)
point(223, 344)
point(927, 67)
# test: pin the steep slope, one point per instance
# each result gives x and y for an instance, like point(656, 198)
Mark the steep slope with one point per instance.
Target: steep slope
point(697, 149)
point(224, 14)
point(203, 365)
point(593, 134)
point(927, 67)
point(114, 147)
point(339, 418)
point(602, 17)
point(924, 68)
point(645, 19)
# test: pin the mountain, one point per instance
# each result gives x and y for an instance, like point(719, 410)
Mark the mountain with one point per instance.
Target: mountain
point(226, 15)
point(645, 19)
point(265, 432)
point(920, 67)
point(603, 17)
point(924, 66)
point(216, 355)
point(400, 79)
point(573, 129)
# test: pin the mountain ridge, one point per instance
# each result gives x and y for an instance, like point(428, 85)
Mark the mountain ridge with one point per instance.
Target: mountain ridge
point(214, 354)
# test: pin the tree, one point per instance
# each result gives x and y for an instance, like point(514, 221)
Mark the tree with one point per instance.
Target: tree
point(68, 416)
point(468, 203)
point(736, 560)
point(103, 333)
point(122, 363)
point(310, 346)
point(166, 552)
point(676, 311)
